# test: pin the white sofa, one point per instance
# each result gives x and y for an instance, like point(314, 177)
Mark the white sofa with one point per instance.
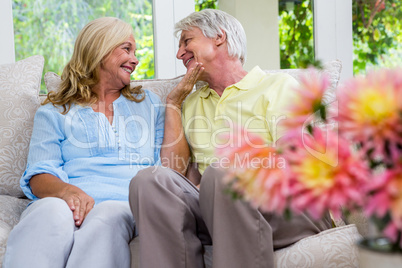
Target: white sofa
point(19, 99)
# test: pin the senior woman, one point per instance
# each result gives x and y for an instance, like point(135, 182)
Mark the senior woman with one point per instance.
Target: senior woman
point(89, 139)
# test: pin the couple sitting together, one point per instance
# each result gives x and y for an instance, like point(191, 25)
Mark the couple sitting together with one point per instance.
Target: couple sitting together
point(101, 166)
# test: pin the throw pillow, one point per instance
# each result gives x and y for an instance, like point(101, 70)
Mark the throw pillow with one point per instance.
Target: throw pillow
point(334, 247)
point(19, 100)
point(332, 69)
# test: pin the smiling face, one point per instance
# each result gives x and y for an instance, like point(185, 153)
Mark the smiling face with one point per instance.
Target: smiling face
point(195, 47)
point(116, 68)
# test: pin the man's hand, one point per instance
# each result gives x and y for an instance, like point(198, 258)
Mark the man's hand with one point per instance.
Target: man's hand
point(186, 85)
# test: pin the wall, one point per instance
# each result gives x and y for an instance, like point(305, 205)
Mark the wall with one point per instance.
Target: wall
point(166, 14)
point(260, 22)
point(7, 54)
point(333, 33)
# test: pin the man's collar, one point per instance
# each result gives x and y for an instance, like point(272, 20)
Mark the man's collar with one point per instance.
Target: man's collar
point(205, 91)
point(253, 77)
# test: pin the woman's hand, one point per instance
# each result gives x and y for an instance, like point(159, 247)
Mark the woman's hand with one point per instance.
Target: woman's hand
point(78, 201)
point(175, 152)
point(46, 185)
point(186, 85)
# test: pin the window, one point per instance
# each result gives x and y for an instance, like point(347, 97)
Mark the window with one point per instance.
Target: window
point(296, 33)
point(377, 34)
point(50, 28)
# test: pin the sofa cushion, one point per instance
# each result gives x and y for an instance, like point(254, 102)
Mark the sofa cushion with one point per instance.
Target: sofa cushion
point(19, 91)
point(10, 213)
point(335, 247)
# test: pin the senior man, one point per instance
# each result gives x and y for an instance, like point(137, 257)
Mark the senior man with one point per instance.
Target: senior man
point(172, 212)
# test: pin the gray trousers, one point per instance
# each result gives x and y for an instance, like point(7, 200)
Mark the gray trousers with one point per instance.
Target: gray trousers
point(171, 216)
point(46, 236)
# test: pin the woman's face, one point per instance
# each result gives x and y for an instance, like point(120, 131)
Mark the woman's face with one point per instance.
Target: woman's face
point(116, 68)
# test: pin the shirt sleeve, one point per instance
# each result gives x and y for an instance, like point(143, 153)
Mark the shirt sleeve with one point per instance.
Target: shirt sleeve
point(45, 149)
point(184, 122)
point(280, 100)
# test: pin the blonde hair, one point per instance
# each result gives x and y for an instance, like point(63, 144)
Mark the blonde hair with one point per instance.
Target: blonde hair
point(94, 43)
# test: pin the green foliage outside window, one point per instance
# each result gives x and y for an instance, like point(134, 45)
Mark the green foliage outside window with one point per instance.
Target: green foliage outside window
point(296, 42)
point(203, 4)
point(49, 28)
point(377, 34)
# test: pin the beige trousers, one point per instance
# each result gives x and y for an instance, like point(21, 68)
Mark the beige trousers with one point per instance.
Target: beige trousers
point(171, 216)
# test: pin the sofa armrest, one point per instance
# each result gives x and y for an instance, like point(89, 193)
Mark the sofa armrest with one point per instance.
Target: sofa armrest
point(10, 213)
point(335, 247)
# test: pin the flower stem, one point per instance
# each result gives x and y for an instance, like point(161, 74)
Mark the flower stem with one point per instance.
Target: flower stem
point(396, 246)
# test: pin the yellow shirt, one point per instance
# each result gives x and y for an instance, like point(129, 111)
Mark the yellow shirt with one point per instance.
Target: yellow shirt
point(257, 102)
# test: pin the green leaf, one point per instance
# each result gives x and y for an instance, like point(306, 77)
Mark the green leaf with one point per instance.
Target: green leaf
point(376, 35)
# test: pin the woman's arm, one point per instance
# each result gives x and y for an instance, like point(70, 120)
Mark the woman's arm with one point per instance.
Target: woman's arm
point(45, 176)
point(175, 152)
point(47, 185)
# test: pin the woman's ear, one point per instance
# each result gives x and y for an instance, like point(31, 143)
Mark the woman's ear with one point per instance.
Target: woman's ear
point(220, 38)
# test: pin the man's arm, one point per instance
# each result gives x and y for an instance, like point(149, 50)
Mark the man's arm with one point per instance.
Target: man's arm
point(175, 152)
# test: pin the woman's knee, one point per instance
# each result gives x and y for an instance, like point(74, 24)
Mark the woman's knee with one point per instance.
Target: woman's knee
point(110, 215)
point(113, 212)
point(54, 209)
point(50, 213)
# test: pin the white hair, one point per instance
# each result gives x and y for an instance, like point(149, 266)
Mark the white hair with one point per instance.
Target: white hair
point(213, 22)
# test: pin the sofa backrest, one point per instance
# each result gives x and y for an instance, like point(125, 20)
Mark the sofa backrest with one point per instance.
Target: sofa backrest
point(19, 89)
point(162, 87)
point(19, 86)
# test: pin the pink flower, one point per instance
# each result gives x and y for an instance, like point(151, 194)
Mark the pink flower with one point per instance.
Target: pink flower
point(387, 195)
point(370, 113)
point(322, 171)
point(325, 174)
point(308, 103)
point(256, 171)
point(391, 231)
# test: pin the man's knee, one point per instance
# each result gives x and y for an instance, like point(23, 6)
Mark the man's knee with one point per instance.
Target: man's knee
point(142, 178)
point(150, 178)
point(212, 178)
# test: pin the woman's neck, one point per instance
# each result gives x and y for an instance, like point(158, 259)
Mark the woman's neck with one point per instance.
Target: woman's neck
point(104, 104)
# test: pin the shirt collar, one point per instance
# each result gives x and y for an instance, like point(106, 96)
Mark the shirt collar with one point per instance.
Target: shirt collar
point(205, 91)
point(249, 81)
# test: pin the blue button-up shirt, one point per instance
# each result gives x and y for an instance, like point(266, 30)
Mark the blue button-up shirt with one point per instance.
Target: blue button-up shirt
point(82, 148)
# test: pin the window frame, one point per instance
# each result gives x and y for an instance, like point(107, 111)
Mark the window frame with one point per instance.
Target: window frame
point(165, 14)
point(332, 34)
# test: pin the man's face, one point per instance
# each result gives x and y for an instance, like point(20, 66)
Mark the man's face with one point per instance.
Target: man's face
point(195, 47)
